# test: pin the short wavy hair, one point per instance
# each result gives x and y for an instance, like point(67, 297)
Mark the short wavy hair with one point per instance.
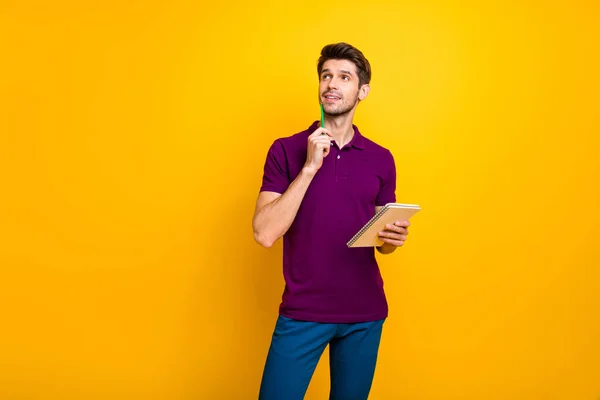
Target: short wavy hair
point(345, 51)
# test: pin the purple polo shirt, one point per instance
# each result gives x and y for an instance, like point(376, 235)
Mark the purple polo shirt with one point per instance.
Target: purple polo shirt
point(325, 281)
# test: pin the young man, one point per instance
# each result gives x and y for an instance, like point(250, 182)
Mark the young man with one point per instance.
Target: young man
point(319, 187)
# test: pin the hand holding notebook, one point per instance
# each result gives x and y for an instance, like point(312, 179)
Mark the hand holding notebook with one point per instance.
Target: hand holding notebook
point(368, 235)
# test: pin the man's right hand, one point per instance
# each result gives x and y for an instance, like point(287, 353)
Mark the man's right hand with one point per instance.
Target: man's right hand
point(319, 146)
point(276, 212)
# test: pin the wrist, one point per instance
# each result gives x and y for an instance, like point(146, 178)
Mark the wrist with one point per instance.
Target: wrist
point(386, 248)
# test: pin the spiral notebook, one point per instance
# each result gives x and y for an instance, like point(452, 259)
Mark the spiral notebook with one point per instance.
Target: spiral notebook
point(368, 235)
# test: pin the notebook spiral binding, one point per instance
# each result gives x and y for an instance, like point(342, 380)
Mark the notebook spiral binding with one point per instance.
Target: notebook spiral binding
point(367, 226)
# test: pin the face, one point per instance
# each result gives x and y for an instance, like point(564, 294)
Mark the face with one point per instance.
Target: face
point(339, 90)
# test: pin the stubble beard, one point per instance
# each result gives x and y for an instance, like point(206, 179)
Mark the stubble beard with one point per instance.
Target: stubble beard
point(340, 111)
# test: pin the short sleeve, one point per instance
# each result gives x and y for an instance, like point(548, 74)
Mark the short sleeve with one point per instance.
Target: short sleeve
point(275, 176)
point(387, 191)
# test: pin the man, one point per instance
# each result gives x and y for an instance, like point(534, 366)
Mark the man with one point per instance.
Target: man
point(319, 187)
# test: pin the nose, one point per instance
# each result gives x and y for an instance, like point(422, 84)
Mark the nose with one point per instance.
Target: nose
point(333, 83)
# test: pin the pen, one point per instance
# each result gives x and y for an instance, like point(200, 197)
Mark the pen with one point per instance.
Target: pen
point(323, 122)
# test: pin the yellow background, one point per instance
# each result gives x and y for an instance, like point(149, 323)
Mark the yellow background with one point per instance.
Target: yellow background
point(133, 136)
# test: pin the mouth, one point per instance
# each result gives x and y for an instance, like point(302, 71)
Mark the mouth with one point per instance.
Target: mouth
point(330, 98)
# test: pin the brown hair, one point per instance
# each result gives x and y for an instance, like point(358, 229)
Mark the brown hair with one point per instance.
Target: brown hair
point(344, 51)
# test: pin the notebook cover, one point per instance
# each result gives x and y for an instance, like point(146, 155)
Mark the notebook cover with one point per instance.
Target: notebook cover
point(368, 236)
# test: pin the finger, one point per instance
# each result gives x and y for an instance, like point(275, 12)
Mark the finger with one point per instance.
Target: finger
point(317, 132)
point(392, 235)
point(404, 224)
point(321, 139)
point(396, 243)
point(395, 228)
point(321, 147)
point(320, 131)
point(325, 133)
point(323, 136)
point(321, 144)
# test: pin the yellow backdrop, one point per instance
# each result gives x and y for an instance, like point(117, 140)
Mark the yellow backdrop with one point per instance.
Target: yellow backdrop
point(133, 136)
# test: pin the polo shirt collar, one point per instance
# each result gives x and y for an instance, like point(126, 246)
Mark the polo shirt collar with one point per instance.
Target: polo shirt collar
point(358, 140)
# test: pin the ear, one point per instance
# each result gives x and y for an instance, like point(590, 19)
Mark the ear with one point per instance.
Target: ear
point(363, 92)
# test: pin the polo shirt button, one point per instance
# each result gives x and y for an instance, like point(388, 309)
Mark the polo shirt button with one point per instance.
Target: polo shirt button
point(338, 156)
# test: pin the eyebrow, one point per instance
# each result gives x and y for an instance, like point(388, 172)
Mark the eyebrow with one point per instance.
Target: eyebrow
point(342, 71)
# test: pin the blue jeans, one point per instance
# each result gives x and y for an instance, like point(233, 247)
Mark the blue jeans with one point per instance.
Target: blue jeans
point(295, 350)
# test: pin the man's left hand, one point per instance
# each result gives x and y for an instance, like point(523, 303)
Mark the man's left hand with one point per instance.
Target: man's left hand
point(395, 234)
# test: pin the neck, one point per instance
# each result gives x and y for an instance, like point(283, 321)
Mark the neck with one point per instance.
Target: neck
point(340, 127)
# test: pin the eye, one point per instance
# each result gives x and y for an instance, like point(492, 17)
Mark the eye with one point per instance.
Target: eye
point(346, 78)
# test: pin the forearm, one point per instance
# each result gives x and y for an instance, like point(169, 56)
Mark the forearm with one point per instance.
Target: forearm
point(274, 219)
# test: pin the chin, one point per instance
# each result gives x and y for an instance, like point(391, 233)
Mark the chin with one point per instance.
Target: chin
point(332, 109)
point(336, 112)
